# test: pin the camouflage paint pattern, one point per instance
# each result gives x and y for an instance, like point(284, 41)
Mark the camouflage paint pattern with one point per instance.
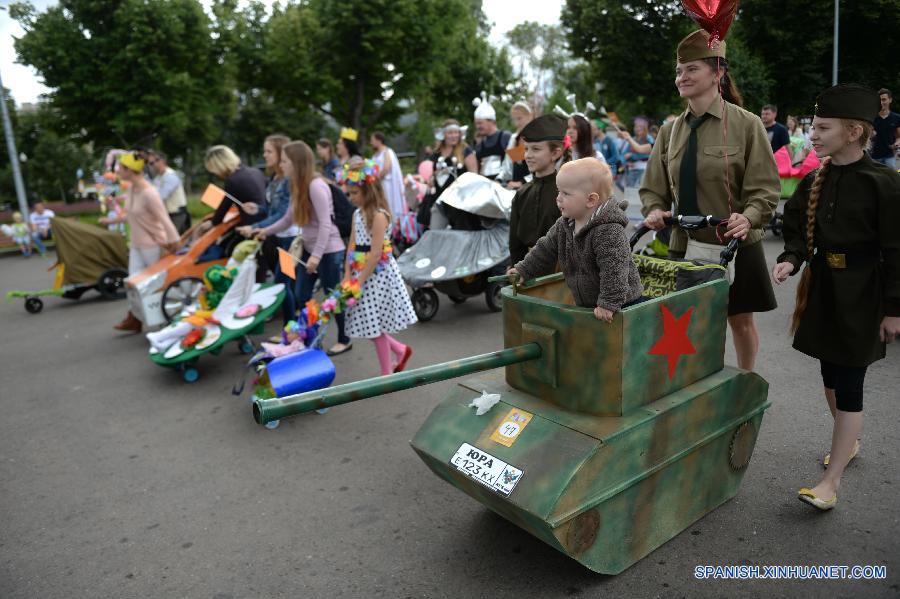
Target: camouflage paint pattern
point(606, 369)
point(621, 454)
point(604, 490)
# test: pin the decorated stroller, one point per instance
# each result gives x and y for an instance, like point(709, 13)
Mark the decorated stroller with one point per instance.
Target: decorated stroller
point(458, 261)
point(790, 176)
point(90, 257)
point(298, 364)
point(229, 307)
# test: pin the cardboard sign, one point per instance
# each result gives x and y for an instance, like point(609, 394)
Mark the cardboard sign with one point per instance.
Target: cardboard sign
point(516, 154)
point(213, 196)
point(286, 262)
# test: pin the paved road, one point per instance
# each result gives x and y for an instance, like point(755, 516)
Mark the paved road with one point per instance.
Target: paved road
point(119, 480)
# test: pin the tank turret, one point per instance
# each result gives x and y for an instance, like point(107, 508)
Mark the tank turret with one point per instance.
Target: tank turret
point(609, 438)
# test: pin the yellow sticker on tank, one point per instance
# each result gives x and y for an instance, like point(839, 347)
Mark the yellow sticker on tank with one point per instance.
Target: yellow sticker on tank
point(511, 427)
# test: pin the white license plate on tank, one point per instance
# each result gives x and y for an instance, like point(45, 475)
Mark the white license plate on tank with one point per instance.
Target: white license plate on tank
point(484, 468)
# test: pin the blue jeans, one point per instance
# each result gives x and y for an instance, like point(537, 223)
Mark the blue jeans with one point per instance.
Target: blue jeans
point(289, 307)
point(38, 241)
point(633, 177)
point(890, 161)
point(331, 269)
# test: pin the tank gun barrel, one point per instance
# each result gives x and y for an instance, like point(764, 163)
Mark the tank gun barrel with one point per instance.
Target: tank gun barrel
point(267, 410)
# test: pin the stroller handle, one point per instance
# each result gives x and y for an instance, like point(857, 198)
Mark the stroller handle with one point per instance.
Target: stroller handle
point(688, 223)
point(692, 223)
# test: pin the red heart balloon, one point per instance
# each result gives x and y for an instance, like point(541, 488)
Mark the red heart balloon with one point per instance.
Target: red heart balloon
point(713, 16)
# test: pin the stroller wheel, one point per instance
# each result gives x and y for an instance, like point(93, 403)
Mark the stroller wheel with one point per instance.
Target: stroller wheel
point(190, 374)
point(33, 305)
point(777, 224)
point(179, 295)
point(111, 284)
point(457, 299)
point(425, 303)
point(493, 297)
point(74, 293)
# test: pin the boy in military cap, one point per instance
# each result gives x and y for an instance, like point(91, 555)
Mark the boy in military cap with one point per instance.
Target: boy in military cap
point(534, 208)
point(842, 223)
point(588, 241)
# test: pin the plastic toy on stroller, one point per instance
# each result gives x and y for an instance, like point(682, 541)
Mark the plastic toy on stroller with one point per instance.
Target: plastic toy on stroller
point(230, 307)
point(458, 261)
point(160, 292)
point(90, 257)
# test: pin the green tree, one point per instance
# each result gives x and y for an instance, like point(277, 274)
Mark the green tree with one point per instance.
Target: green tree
point(124, 70)
point(799, 58)
point(543, 49)
point(52, 158)
point(367, 64)
point(630, 48)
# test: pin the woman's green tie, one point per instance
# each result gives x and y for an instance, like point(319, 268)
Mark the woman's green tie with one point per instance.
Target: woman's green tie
point(687, 180)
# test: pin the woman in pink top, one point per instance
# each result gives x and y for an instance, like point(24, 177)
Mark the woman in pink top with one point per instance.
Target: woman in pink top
point(152, 230)
point(312, 209)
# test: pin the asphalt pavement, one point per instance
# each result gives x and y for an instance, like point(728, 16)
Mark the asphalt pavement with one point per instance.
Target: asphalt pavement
point(118, 479)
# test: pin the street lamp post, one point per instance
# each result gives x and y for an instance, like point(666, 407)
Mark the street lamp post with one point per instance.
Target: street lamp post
point(834, 58)
point(13, 155)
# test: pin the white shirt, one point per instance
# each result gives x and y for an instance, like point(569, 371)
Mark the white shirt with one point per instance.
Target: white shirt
point(41, 222)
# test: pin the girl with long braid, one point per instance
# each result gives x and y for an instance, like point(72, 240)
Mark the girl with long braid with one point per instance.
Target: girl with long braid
point(842, 223)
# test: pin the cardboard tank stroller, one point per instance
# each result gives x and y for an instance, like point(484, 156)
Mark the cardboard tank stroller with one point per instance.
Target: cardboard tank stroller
point(458, 261)
point(89, 257)
point(602, 440)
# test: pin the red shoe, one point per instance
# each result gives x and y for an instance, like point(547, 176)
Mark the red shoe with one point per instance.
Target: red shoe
point(402, 363)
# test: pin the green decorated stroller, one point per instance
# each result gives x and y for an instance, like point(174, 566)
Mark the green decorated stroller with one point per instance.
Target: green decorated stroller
point(89, 257)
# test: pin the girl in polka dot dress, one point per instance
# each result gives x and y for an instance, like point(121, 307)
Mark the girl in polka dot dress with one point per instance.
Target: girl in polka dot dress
point(384, 307)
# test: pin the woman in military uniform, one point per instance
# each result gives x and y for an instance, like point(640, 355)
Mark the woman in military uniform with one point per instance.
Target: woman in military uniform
point(715, 159)
point(842, 222)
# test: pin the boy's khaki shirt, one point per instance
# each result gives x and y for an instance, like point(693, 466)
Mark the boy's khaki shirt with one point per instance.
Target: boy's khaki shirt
point(752, 174)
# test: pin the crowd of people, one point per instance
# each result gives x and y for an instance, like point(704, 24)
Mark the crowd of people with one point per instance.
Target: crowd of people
point(337, 214)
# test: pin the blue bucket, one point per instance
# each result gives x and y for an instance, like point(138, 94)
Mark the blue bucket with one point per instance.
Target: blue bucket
point(306, 370)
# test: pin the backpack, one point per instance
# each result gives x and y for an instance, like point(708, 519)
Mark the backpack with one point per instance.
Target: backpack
point(343, 211)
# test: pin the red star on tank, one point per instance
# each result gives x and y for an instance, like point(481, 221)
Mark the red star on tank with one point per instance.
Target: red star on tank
point(674, 343)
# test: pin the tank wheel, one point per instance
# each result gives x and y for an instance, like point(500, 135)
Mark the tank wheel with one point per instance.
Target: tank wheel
point(425, 303)
point(493, 297)
point(190, 374)
point(458, 299)
point(245, 346)
point(111, 284)
point(179, 295)
point(33, 305)
point(742, 446)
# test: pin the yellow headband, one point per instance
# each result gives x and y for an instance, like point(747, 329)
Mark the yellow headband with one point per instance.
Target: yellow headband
point(132, 162)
